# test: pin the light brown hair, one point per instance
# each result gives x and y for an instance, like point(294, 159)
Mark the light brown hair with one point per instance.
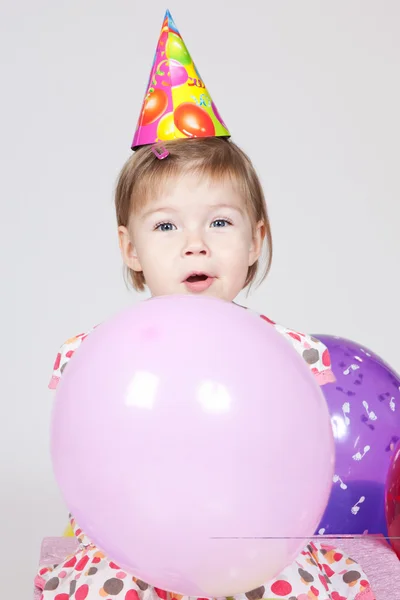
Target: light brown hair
point(144, 175)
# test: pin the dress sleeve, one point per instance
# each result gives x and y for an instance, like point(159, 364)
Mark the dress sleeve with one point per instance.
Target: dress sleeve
point(314, 352)
point(64, 355)
point(319, 571)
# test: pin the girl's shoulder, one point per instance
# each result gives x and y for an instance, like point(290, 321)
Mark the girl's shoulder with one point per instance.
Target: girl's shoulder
point(64, 355)
point(314, 352)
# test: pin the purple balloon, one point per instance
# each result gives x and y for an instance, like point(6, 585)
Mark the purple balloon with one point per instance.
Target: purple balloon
point(364, 404)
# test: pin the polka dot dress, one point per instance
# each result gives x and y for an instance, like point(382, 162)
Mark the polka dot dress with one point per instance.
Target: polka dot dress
point(320, 572)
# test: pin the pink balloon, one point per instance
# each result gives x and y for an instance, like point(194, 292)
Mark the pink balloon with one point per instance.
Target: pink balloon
point(179, 75)
point(216, 113)
point(184, 428)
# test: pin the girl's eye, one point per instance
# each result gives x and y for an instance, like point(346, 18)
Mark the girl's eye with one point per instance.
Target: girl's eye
point(220, 223)
point(165, 227)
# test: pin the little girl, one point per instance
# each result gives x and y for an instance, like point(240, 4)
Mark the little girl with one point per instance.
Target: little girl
point(195, 223)
point(192, 219)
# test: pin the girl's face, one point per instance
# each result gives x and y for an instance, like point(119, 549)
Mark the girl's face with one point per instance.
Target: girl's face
point(194, 238)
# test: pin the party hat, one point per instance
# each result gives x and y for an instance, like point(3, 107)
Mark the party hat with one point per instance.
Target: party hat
point(177, 104)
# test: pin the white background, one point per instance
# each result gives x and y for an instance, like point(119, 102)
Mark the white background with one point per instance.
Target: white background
point(309, 89)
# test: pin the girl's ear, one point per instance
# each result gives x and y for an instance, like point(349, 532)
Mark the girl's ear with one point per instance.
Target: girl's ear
point(128, 250)
point(256, 243)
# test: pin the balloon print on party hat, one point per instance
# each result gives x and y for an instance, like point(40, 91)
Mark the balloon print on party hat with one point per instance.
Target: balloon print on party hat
point(177, 104)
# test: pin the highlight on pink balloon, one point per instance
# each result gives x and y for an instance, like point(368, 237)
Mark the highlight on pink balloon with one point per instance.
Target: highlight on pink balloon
point(192, 445)
point(178, 73)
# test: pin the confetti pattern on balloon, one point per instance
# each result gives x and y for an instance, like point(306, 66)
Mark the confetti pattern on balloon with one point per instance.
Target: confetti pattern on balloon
point(176, 87)
point(364, 404)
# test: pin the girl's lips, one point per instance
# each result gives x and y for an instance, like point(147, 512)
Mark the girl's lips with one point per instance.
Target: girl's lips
point(200, 285)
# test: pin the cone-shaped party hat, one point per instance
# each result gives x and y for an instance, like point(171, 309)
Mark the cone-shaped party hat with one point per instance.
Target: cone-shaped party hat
point(177, 104)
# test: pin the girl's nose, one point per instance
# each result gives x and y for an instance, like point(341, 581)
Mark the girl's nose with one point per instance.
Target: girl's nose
point(195, 245)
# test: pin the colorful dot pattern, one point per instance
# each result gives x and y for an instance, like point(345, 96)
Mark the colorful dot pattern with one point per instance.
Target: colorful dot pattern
point(320, 572)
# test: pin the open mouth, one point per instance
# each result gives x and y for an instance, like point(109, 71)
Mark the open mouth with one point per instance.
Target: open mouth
point(197, 277)
point(198, 282)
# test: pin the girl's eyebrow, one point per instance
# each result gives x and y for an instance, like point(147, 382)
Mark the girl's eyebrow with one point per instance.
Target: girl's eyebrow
point(157, 209)
point(171, 209)
point(226, 205)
